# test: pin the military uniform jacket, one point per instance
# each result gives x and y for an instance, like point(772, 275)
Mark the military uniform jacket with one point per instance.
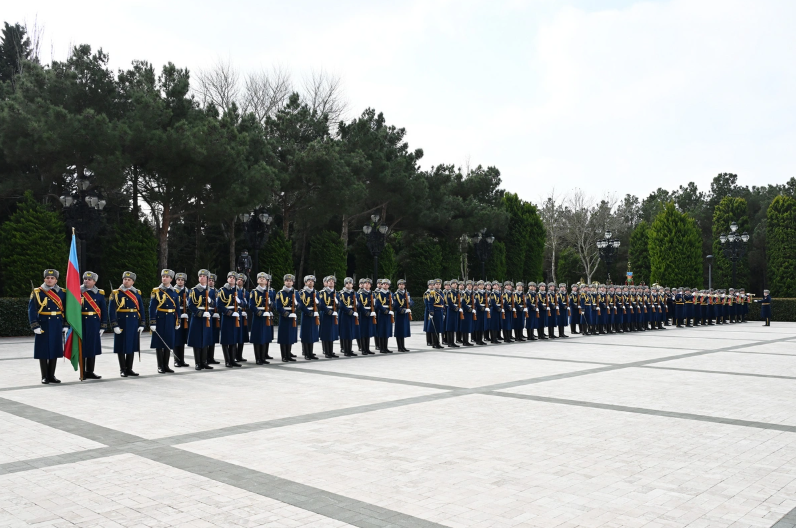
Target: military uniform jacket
point(310, 324)
point(435, 304)
point(215, 323)
point(125, 312)
point(367, 324)
point(402, 303)
point(46, 311)
point(261, 303)
point(95, 316)
point(285, 304)
point(347, 324)
point(164, 314)
point(521, 306)
point(327, 306)
point(552, 303)
point(229, 302)
point(243, 295)
point(383, 300)
point(181, 334)
point(451, 310)
point(200, 331)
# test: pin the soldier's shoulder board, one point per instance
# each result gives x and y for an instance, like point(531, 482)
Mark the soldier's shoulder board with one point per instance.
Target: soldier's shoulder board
point(101, 292)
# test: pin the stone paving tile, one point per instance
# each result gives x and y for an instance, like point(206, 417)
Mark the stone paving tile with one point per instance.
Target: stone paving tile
point(461, 370)
point(129, 491)
point(740, 363)
point(720, 395)
point(22, 439)
point(168, 405)
point(579, 349)
point(476, 460)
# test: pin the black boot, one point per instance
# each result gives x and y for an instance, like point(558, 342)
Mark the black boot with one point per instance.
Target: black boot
point(122, 365)
point(451, 342)
point(384, 342)
point(210, 351)
point(437, 343)
point(264, 349)
point(331, 349)
point(197, 358)
point(44, 368)
point(551, 332)
point(51, 371)
point(561, 332)
point(351, 348)
point(165, 361)
point(257, 358)
point(130, 358)
point(88, 370)
point(531, 334)
point(227, 359)
point(466, 339)
point(239, 353)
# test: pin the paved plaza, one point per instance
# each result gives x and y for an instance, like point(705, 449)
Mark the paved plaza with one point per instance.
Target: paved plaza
point(684, 427)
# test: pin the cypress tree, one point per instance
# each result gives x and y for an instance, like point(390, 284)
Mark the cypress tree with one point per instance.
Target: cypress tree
point(639, 252)
point(675, 249)
point(133, 247)
point(276, 258)
point(328, 255)
point(496, 265)
point(781, 246)
point(30, 241)
point(729, 210)
point(423, 261)
point(534, 244)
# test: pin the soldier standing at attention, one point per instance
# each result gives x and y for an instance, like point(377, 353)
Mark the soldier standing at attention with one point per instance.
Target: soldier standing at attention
point(228, 304)
point(367, 316)
point(384, 316)
point(348, 321)
point(286, 308)
point(563, 309)
point(329, 317)
point(127, 323)
point(181, 334)
point(765, 307)
point(164, 319)
point(46, 317)
point(402, 306)
point(310, 318)
point(243, 334)
point(522, 311)
point(261, 299)
point(201, 305)
point(95, 313)
point(215, 324)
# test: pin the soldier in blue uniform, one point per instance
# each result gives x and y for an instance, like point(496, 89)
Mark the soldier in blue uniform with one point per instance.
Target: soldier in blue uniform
point(402, 306)
point(563, 309)
point(467, 324)
point(46, 318)
point(509, 310)
point(765, 307)
point(310, 318)
point(329, 316)
point(384, 316)
point(243, 334)
point(94, 314)
point(552, 317)
point(493, 303)
point(573, 302)
point(451, 293)
point(228, 304)
point(127, 320)
point(164, 319)
point(348, 320)
point(367, 316)
point(521, 308)
point(286, 308)
point(261, 301)
point(215, 323)
point(531, 315)
point(201, 306)
point(435, 305)
point(482, 320)
point(181, 333)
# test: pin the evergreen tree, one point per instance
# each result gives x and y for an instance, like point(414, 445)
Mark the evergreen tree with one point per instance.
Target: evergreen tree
point(568, 267)
point(422, 261)
point(327, 255)
point(388, 267)
point(729, 210)
point(133, 247)
point(31, 241)
point(496, 265)
point(781, 246)
point(534, 244)
point(639, 252)
point(276, 258)
point(15, 47)
point(675, 249)
point(516, 235)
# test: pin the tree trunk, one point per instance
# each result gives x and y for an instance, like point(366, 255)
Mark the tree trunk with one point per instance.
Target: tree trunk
point(232, 244)
point(198, 242)
point(344, 231)
point(135, 192)
point(163, 236)
point(303, 253)
point(553, 264)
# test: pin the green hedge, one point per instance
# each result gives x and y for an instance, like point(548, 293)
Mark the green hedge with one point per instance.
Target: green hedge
point(14, 317)
point(781, 309)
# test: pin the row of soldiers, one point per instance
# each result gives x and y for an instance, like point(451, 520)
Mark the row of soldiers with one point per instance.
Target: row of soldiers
point(474, 313)
point(231, 315)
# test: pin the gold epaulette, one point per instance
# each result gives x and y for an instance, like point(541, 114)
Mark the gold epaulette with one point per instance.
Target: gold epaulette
point(101, 292)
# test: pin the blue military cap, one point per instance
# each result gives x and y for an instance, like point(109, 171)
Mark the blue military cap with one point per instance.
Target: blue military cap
point(128, 275)
point(167, 272)
point(90, 275)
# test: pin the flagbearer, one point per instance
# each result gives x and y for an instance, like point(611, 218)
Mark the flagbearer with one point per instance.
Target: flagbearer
point(46, 317)
point(164, 319)
point(95, 312)
point(127, 323)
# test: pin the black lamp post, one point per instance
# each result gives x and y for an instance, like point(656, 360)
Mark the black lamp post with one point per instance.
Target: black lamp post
point(734, 247)
point(82, 211)
point(377, 239)
point(709, 258)
point(483, 249)
point(608, 248)
point(258, 226)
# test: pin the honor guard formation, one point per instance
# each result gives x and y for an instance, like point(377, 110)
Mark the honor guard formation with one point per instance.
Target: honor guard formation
point(466, 312)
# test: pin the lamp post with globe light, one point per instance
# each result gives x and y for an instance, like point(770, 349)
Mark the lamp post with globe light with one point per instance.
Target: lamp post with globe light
point(734, 247)
point(483, 249)
point(258, 226)
point(608, 248)
point(82, 212)
point(376, 234)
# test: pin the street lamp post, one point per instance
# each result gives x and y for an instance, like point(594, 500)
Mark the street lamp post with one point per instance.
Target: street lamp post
point(258, 226)
point(608, 248)
point(82, 210)
point(377, 239)
point(483, 249)
point(734, 247)
point(710, 271)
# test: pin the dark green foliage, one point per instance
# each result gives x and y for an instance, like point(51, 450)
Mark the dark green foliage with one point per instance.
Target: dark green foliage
point(524, 239)
point(675, 249)
point(421, 261)
point(327, 256)
point(782, 309)
point(781, 246)
point(30, 241)
point(496, 265)
point(639, 253)
point(388, 267)
point(729, 209)
point(14, 317)
point(534, 244)
point(276, 258)
point(132, 248)
point(568, 267)
point(15, 48)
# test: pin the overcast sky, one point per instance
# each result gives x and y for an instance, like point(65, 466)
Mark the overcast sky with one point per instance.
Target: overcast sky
point(613, 96)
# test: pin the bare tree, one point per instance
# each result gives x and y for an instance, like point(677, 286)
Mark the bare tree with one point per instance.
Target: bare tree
point(323, 92)
point(219, 84)
point(265, 92)
point(35, 33)
point(586, 223)
point(554, 219)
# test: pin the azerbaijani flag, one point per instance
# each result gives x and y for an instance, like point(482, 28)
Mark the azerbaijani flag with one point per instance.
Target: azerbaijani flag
point(73, 309)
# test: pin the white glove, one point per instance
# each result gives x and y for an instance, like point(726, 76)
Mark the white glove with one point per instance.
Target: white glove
point(65, 330)
point(237, 299)
point(315, 314)
point(269, 314)
point(513, 309)
point(216, 316)
point(235, 314)
point(373, 314)
point(140, 329)
point(486, 309)
point(334, 314)
point(184, 316)
point(525, 310)
point(356, 314)
point(292, 316)
point(391, 313)
point(102, 332)
point(245, 314)
point(177, 326)
point(152, 328)
point(206, 315)
point(117, 330)
point(37, 331)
